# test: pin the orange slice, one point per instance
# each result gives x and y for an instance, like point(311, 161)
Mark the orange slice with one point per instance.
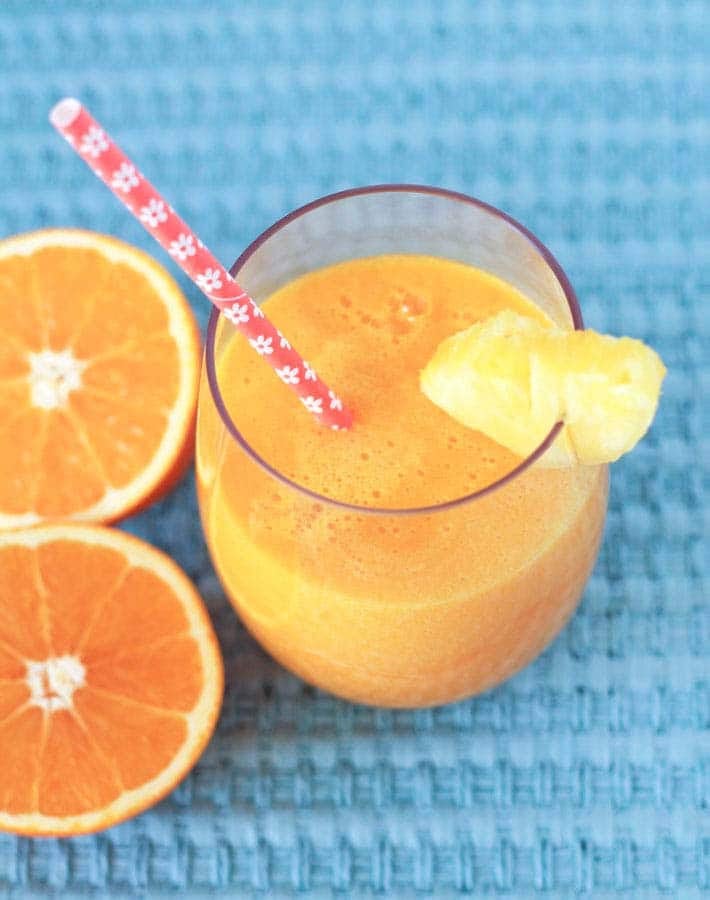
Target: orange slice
point(110, 678)
point(99, 368)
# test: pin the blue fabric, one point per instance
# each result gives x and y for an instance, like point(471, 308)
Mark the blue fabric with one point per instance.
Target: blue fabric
point(589, 773)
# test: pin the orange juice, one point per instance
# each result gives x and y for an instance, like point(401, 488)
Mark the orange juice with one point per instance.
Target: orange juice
point(346, 554)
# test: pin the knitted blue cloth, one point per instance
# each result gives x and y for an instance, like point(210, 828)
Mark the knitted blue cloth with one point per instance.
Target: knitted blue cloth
point(589, 773)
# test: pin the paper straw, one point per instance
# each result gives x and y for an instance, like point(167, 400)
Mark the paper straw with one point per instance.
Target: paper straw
point(160, 220)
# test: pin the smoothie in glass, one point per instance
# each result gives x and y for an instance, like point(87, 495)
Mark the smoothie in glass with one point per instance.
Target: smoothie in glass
point(410, 561)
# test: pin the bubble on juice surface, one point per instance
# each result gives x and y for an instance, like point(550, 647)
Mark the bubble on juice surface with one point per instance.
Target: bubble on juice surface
point(407, 309)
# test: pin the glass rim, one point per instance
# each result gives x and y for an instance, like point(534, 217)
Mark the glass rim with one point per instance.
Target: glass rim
point(235, 433)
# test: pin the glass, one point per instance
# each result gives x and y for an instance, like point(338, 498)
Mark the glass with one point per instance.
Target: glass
point(396, 607)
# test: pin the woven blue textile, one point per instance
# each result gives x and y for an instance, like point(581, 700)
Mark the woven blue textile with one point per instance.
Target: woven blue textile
point(589, 773)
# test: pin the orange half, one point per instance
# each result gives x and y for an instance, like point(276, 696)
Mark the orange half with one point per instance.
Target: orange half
point(110, 678)
point(99, 370)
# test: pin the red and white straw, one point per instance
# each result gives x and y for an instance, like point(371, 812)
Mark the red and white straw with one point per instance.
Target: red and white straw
point(122, 177)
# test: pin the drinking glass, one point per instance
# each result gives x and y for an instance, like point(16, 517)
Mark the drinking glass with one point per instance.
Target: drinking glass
point(396, 607)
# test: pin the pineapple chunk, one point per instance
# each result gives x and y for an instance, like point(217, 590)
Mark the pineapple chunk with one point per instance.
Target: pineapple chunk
point(513, 378)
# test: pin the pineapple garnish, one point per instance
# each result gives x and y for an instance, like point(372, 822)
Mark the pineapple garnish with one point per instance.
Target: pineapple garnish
point(513, 378)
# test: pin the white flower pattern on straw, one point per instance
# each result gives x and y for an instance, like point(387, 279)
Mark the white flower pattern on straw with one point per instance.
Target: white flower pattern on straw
point(154, 213)
point(94, 142)
point(308, 372)
point(256, 309)
point(335, 401)
point(237, 313)
point(183, 247)
point(262, 345)
point(313, 404)
point(125, 178)
point(210, 280)
point(289, 374)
